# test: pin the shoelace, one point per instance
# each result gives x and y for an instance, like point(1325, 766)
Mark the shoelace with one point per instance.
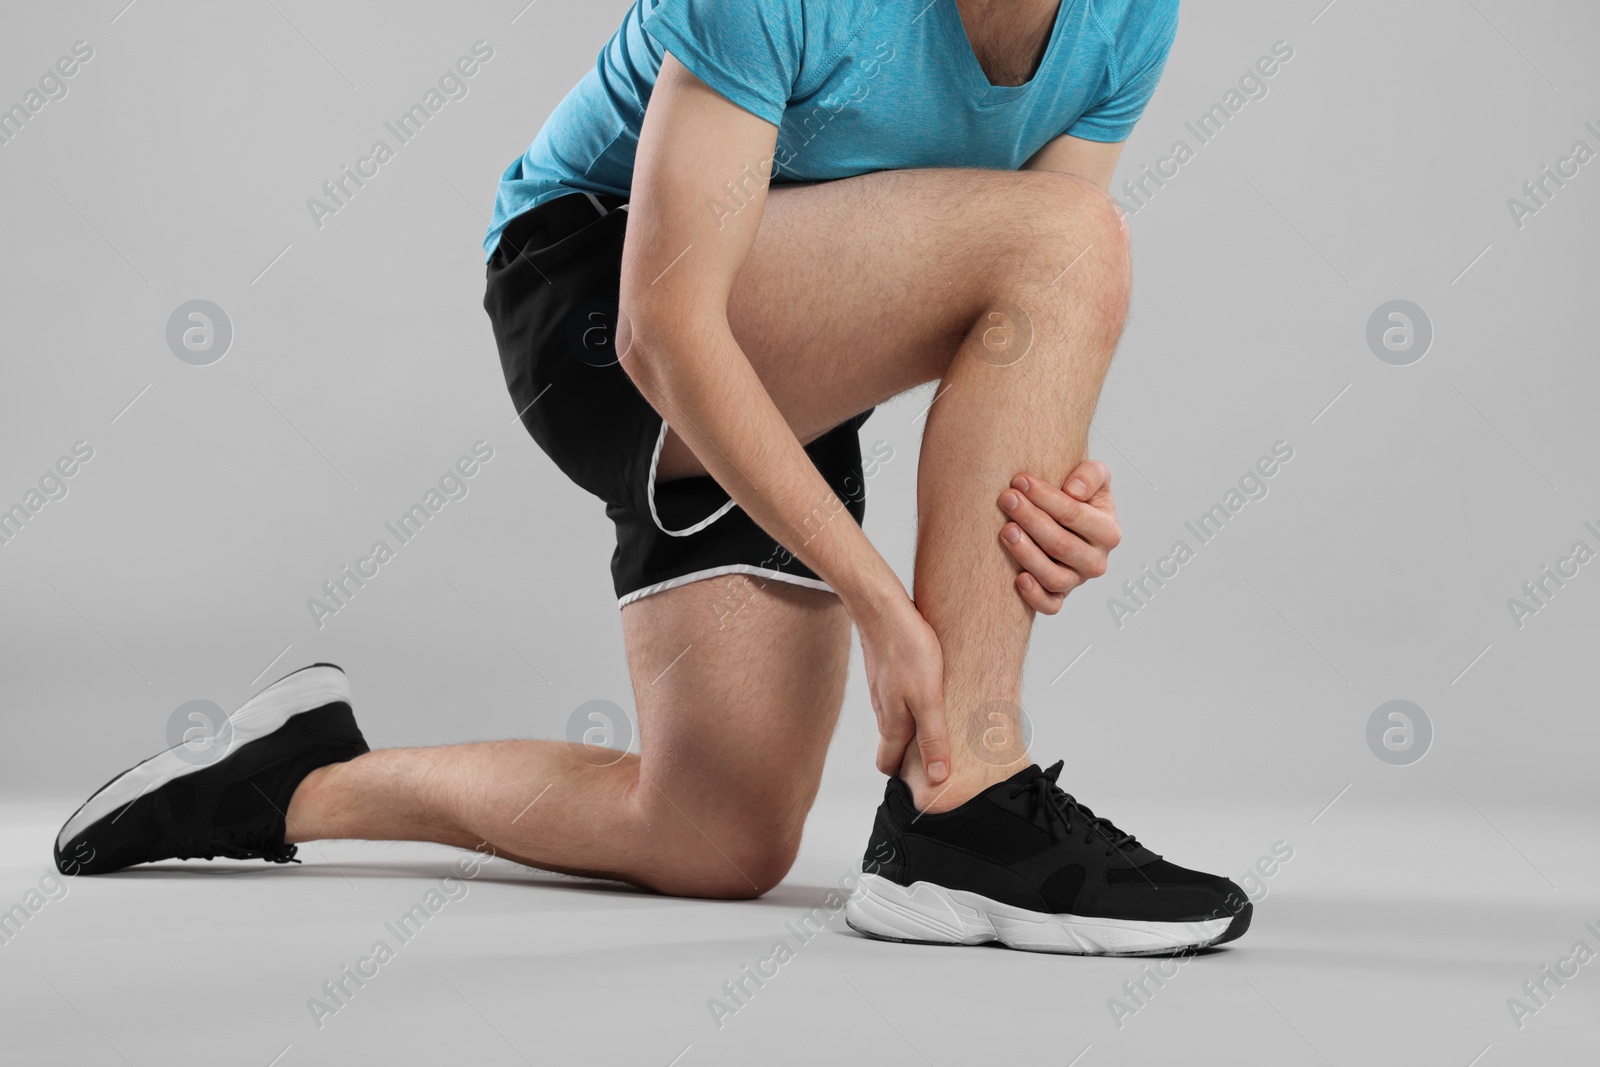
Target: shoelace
point(248, 846)
point(1060, 805)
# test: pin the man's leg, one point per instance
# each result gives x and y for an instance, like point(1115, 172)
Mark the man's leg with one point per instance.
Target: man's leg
point(1012, 289)
point(709, 810)
point(993, 418)
point(855, 291)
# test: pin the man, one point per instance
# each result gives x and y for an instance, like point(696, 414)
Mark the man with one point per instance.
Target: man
point(748, 225)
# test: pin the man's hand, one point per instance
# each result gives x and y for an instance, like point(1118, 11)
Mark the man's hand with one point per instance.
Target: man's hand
point(1059, 537)
point(905, 675)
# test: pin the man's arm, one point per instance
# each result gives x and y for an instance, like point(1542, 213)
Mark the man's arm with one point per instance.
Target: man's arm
point(1094, 161)
point(683, 251)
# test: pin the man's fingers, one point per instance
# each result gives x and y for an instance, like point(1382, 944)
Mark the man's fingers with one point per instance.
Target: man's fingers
point(1093, 523)
point(933, 745)
point(894, 734)
point(1046, 572)
point(1060, 542)
point(890, 757)
point(1037, 597)
point(891, 754)
point(1087, 479)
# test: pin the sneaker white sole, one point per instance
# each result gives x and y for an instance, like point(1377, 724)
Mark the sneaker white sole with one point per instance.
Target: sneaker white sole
point(263, 713)
point(926, 912)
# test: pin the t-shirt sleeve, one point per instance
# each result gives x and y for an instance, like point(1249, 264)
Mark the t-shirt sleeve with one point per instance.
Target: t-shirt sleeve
point(748, 51)
point(1139, 69)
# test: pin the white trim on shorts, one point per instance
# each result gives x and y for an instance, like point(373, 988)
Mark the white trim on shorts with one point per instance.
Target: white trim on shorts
point(717, 572)
point(711, 572)
point(650, 494)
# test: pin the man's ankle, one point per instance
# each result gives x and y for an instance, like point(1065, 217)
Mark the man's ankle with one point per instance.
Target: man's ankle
point(970, 778)
point(301, 819)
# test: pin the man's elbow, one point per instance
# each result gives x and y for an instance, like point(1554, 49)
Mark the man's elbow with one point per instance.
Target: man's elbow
point(652, 331)
point(639, 331)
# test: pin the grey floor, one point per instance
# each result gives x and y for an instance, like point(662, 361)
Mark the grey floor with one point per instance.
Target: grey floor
point(1393, 935)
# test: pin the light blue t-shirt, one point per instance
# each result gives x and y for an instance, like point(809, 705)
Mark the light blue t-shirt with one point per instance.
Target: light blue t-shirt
point(854, 86)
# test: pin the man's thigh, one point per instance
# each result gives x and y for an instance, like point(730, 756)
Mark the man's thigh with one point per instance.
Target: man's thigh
point(738, 684)
point(859, 289)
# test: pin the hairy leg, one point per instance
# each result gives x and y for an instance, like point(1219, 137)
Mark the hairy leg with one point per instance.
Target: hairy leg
point(856, 291)
point(705, 811)
point(1018, 397)
point(1010, 288)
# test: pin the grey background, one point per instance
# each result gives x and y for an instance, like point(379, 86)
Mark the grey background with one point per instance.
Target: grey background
point(1225, 716)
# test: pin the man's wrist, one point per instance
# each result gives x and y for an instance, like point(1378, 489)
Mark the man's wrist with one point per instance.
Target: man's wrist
point(868, 587)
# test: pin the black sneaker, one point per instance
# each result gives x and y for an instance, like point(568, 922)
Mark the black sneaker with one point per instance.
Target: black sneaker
point(174, 806)
point(1024, 864)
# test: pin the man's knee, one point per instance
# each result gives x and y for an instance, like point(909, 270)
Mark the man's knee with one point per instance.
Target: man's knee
point(764, 860)
point(1068, 206)
point(731, 871)
point(722, 854)
point(1074, 252)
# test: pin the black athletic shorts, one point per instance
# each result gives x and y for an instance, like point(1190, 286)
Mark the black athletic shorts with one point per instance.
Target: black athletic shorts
point(552, 298)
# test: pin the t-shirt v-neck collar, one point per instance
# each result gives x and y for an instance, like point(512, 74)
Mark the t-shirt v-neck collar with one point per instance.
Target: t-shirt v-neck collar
point(984, 92)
